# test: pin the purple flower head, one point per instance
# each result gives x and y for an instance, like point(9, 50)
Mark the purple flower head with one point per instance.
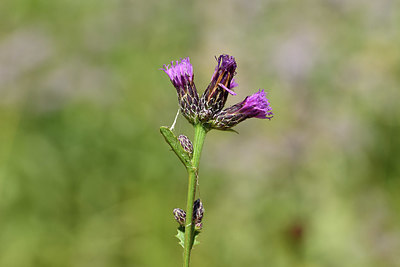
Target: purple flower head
point(254, 106)
point(182, 77)
point(221, 85)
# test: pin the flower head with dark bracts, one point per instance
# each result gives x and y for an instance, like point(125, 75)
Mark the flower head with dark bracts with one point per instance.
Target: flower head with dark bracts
point(214, 98)
point(182, 77)
point(208, 110)
point(254, 106)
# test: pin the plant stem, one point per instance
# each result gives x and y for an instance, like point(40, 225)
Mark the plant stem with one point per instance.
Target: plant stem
point(199, 136)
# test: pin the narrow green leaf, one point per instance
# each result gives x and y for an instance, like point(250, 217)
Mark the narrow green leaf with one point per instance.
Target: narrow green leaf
point(176, 146)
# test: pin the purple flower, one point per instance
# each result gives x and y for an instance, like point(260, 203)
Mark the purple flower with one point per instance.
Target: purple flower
point(221, 85)
point(181, 76)
point(254, 106)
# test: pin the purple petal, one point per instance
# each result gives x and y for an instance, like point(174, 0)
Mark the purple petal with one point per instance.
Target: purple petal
point(226, 61)
point(233, 84)
point(226, 88)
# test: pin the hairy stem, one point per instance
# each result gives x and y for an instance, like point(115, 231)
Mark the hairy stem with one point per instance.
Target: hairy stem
point(199, 136)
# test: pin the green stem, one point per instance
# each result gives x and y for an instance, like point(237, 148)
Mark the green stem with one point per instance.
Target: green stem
point(199, 136)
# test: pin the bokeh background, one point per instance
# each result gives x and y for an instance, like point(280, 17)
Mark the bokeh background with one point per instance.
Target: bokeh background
point(87, 180)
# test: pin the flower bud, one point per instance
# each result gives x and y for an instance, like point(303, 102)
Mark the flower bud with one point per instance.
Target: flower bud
point(186, 143)
point(198, 211)
point(180, 216)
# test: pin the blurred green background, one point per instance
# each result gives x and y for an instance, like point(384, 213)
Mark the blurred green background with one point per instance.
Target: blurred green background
point(87, 180)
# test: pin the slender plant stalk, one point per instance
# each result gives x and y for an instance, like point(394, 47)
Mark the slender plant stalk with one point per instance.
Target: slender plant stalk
point(205, 113)
point(199, 136)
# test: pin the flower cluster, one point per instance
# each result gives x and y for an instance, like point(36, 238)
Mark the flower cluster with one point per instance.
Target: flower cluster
point(208, 109)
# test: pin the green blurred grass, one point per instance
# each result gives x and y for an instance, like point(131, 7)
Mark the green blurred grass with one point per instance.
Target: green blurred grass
point(87, 180)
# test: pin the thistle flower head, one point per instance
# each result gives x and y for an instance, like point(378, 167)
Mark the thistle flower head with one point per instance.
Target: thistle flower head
point(254, 106)
point(221, 85)
point(182, 77)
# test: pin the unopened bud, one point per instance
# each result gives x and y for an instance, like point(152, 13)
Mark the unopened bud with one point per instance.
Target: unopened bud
point(198, 211)
point(180, 216)
point(186, 143)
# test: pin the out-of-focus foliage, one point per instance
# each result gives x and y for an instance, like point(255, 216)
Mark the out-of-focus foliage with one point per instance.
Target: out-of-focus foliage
point(86, 179)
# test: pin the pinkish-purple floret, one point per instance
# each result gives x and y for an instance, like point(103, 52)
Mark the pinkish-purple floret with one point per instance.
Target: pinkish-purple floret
point(227, 89)
point(226, 61)
point(233, 84)
point(257, 106)
point(180, 73)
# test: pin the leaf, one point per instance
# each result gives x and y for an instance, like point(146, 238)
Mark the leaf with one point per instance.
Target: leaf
point(176, 146)
point(195, 241)
point(181, 236)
